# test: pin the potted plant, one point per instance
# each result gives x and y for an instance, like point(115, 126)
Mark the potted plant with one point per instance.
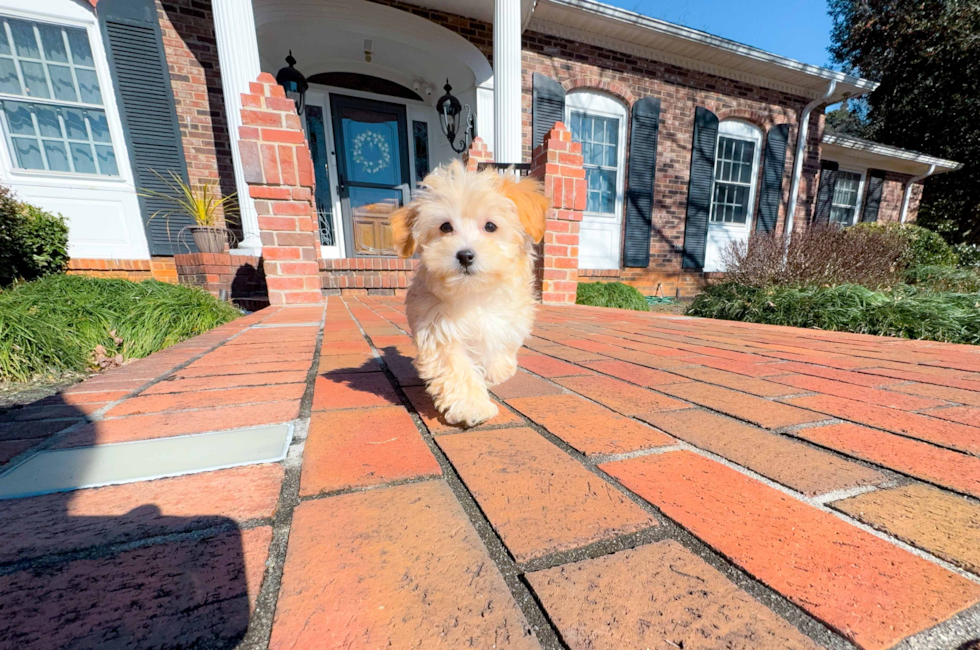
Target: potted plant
point(205, 206)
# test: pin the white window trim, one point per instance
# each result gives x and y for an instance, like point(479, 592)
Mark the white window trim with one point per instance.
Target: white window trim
point(743, 131)
point(601, 105)
point(863, 173)
point(95, 181)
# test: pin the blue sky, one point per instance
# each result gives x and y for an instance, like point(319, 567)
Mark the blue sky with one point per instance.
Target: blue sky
point(798, 29)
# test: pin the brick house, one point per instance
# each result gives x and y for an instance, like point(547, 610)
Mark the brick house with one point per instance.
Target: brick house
point(675, 142)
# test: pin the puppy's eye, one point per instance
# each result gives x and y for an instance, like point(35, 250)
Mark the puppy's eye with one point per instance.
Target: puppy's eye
point(446, 227)
point(490, 227)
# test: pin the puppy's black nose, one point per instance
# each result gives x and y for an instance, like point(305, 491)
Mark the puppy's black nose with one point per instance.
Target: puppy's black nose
point(465, 257)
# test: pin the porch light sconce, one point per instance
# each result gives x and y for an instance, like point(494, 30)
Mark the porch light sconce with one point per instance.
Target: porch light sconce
point(450, 111)
point(293, 82)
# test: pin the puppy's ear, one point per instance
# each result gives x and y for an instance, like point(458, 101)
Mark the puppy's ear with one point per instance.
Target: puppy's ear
point(402, 221)
point(531, 204)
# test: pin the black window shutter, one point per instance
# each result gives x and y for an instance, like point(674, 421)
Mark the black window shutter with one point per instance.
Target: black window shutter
point(699, 187)
point(547, 107)
point(876, 183)
point(640, 181)
point(138, 63)
point(771, 193)
point(825, 192)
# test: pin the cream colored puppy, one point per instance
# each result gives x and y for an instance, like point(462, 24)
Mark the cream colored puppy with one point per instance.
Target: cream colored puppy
point(471, 304)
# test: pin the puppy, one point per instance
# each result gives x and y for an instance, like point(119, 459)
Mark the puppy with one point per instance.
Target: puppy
point(471, 304)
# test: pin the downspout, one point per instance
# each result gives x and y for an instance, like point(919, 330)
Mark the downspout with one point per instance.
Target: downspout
point(908, 190)
point(794, 191)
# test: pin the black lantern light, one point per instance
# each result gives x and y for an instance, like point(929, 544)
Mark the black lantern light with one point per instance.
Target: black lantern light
point(293, 82)
point(450, 111)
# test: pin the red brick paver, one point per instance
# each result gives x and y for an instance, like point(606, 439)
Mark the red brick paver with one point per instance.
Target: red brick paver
point(538, 499)
point(394, 529)
point(397, 568)
point(869, 590)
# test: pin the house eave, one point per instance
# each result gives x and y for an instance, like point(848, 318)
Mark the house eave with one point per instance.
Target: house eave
point(603, 25)
point(844, 149)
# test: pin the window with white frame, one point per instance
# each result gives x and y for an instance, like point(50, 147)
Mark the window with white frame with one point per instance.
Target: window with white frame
point(599, 136)
point(736, 172)
point(847, 198)
point(51, 102)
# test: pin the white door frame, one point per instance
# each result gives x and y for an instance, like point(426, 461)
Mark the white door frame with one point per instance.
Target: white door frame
point(720, 235)
point(601, 235)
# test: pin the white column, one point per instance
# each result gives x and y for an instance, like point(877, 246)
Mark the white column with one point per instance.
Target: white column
point(507, 81)
point(238, 57)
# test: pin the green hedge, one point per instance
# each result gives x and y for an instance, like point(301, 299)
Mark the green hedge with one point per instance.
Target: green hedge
point(611, 294)
point(904, 311)
point(924, 247)
point(33, 243)
point(53, 325)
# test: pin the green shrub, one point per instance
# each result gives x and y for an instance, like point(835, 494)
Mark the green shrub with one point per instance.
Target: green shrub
point(33, 243)
point(968, 254)
point(950, 279)
point(904, 311)
point(611, 294)
point(924, 247)
point(54, 324)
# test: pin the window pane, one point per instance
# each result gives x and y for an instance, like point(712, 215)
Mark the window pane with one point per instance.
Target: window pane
point(88, 85)
point(82, 156)
point(37, 85)
point(612, 131)
point(100, 127)
point(107, 160)
point(47, 121)
point(57, 156)
point(81, 53)
point(610, 158)
point(24, 40)
point(19, 118)
point(4, 45)
point(53, 43)
point(28, 153)
point(63, 84)
point(75, 124)
point(9, 83)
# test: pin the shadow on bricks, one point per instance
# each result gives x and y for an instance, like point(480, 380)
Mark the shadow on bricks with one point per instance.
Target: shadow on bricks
point(128, 579)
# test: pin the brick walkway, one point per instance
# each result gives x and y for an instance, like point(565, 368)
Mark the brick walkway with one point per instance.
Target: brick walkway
point(651, 482)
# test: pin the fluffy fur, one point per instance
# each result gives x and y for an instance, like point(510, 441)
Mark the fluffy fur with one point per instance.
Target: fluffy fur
point(469, 322)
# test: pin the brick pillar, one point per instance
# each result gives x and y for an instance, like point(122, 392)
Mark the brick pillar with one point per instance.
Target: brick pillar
point(478, 152)
point(558, 163)
point(279, 172)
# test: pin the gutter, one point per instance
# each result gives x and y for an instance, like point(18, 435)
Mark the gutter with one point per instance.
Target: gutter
point(794, 192)
point(908, 190)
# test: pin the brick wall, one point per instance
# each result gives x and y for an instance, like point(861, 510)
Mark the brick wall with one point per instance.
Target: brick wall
point(373, 276)
point(195, 75)
point(578, 65)
point(477, 32)
point(891, 199)
point(157, 268)
point(279, 172)
point(240, 277)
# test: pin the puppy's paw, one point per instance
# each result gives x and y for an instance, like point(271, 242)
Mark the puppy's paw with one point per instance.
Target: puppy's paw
point(470, 414)
point(500, 370)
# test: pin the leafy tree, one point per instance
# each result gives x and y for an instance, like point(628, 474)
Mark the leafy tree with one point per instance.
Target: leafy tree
point(926, 54)
point(848, 119)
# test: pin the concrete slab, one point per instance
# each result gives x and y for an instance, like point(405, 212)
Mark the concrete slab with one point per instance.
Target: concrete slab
point(60, 470)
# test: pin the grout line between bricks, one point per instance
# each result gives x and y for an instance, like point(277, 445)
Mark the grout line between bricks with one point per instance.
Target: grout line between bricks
point(259, 631)
point(535, 615)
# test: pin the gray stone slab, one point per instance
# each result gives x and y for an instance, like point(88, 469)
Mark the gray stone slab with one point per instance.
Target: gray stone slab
point(60, 470)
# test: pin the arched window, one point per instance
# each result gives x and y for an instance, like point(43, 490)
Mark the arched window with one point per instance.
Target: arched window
point(736, 173)
point(598, 122)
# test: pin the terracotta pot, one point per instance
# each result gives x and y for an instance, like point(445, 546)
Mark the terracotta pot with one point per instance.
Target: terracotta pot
point(210, 239)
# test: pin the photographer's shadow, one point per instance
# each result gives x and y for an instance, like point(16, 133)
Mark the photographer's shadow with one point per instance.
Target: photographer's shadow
point(122, 567)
